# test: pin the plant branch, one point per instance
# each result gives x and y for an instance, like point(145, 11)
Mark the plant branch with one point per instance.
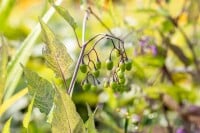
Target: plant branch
point(84, 25)
point(99, 19)
point(81, 55)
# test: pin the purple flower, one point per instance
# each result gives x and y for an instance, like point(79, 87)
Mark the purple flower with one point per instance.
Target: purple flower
point(154, 50)
point(144, 41)
point(181, 130)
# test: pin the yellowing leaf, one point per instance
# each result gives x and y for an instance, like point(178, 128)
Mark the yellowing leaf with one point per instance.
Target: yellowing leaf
point(28, 114)
point(6, 128)
point(65, 14)
point(66, 119)
point(55, 53)
point(42, 89)
point(3, 65)
point(8, 103)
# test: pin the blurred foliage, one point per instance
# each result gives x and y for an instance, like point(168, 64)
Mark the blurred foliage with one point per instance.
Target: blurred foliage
point(162, 37)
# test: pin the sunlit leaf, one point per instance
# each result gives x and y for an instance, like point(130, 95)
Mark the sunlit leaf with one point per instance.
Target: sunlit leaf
point(3, 70)
point(8, 103)
point(66, 119)
point(6, 128)
point(42, 89)
point(23, 54)
point(28, 114)
point(65, 14)
point(90, 125)
point(55, 53)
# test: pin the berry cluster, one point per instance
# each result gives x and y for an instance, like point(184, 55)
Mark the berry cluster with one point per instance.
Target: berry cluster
point(116, 79)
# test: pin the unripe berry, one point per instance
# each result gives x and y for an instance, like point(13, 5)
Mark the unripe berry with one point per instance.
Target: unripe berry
point(122, 66)
point(86, 86)
point(109, 64)
point(98, 65)
point(122, 80)
point(114, 85)
point(93, 88)
point(83, 68)
point(120, 74)
point(128, 65)
point(96, 73)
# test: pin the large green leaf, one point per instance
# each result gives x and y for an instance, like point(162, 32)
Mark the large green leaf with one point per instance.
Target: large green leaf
point(42, 89)
point(6, 128)
point(55, 53)
point(65, 14)
point(23, 54)
point(3, 70)
point(27, 116)
point(66, 119)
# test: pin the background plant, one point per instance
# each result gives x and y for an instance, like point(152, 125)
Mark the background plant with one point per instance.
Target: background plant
point(160, 90)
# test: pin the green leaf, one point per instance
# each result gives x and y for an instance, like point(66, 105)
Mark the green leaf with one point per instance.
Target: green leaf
point(3, 65)
point(23, 54)
point(65, 14)
point(28, 114)
point(55, 53)
point(66, 119)
point(42, 89)
point(5, 9)
point(179, 53)
point(90, 125)
point(6, 128)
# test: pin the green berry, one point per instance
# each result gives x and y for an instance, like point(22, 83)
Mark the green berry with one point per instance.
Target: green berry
point(122, 66)
point(121, 87)
point(114, 85)
point(98, 65)
point(93, 88)
point(83, 68)
point(128, 65)
point(122, 80)
point(86, 86)
point(120, 74)
point(109, 64)
point(96, 73)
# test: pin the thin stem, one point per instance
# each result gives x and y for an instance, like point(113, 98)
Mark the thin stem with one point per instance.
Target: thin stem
point(99, 19)
point(71, 87)
point(84, 26)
